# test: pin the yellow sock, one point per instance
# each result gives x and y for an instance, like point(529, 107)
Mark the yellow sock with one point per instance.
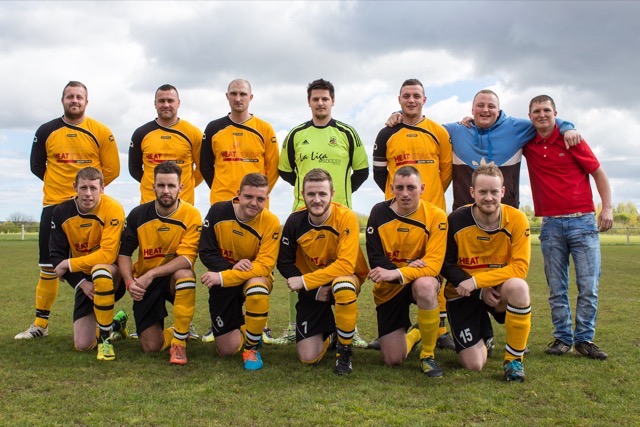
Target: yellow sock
point(257, 311)
point(345, 294)
point(184, 305)
point(517, 325)
point(46, 292)
point(428, 321)
point(413, 336)
point(103, 299)
point(168, 338)
point(442, 306)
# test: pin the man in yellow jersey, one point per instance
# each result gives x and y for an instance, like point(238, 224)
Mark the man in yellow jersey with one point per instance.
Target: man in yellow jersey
point(234, 146)
point(486, 264)
point(424, 144)
point(85, 236)
point(167, 233)
point(60, 149)
point(406, 242)
point(168, 137)
point(239, 247)
point(327, 143)
point(321, 259)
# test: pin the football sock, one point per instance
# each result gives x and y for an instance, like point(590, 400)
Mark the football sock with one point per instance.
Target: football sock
point(184, 306)
point(517, 325)
point(46, 292)
point(257, 310)
point(442, 306)
point(428, 321)
point(346, 310)
point(103, 299)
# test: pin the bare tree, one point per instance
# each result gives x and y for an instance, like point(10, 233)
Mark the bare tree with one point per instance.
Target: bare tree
point(20, 218)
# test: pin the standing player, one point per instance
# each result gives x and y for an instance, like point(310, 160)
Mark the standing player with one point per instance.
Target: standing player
point(60, 149)
point(167, 232)
point(320, 258)
point(236, 145)
point(166, 138)
point(239, 247)
point(85, 236)
point(326, 143)
point(406, 240)
point(562, 196)
point(424, 144)
point(487, 261)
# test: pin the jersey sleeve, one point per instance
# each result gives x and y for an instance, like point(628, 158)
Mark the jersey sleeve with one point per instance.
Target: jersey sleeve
point(109, 157)
point(136, 169)
point(109, 242)
point(450, 269)
point(288, 247)
point(380, 170)
point(446, 159)
point(346, 256)
point(207, 157)
point(39, 153)
point(129, 241)
point(196, 149)
point(434, 252)
point(59, 248)
point(209, 249)
point(188, 246)
point(375, 249)
point(271, 155)
point(264, 262)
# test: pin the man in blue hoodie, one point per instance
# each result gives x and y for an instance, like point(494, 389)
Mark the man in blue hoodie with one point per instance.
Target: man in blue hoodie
point(491, 136)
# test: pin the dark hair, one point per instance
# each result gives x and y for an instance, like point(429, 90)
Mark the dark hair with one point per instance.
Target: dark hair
point(317, 175)
point(75, 83)
point(407, 171)
point(166, 87)
point(168, 168)
point(254, 179)
point(412, 82)
point(91, 174)
point(321, 84)
point(542, 98)
point(487, 169)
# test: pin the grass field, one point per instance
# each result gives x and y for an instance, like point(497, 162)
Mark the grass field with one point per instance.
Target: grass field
point(45, 382)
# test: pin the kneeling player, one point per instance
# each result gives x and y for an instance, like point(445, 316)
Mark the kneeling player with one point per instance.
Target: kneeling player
point(167, 231)
point(406, 239)
point(487, 260)
point(85, 235)
point(239, 247)
point(321, 259)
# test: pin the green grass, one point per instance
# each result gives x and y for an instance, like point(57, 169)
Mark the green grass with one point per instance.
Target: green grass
point(45, 382)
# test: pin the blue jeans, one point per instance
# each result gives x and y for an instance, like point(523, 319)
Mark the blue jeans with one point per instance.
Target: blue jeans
point(579, 237)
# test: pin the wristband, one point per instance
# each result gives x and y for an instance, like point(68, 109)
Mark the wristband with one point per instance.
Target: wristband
point(129, 284)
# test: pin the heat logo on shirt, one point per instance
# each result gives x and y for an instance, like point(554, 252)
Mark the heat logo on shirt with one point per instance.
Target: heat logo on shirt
point(493, 261)
point(400, 257)
point(86, 247)
point(318, 262)
point(153, 253)
point(71, 158)
point(158, 158)
point(239, 156)
point(412, 159)
point(228, 255)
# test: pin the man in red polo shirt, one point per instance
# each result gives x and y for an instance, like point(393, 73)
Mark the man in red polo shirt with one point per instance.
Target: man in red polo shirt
point(562, 196)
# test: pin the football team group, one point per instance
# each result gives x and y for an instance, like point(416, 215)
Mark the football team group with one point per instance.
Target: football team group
point(466, 268)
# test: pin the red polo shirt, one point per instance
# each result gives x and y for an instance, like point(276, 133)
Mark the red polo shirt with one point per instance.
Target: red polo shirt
point(560, 177)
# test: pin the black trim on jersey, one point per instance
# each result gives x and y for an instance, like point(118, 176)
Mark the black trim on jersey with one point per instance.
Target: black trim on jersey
point(458, 220)
point(287, 256)
point(208, 248)
point(59, 246)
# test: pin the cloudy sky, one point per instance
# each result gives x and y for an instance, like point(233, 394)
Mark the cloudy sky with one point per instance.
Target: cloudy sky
point(586, 55)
